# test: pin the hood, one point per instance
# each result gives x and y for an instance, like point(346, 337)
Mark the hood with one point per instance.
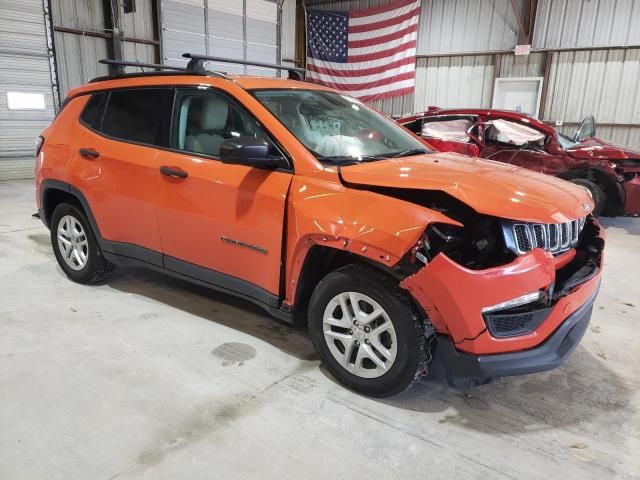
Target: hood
point(594, 148)
point(489, 187)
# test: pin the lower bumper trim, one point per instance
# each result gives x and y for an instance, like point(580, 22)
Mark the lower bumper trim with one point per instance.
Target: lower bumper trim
point(464, 370)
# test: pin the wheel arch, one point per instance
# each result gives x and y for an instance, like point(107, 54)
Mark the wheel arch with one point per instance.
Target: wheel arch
point(613, 190)
point(54, 192)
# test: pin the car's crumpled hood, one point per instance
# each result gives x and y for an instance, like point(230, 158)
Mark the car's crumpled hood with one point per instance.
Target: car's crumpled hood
point(489, 187)
point(595, 148)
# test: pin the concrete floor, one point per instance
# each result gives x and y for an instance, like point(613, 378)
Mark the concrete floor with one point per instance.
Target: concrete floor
point(150, 377)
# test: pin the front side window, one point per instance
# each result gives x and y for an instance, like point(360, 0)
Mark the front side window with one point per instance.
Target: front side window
point(512, 133)
point(204, 119)
point(139, 115)
point(339, 129)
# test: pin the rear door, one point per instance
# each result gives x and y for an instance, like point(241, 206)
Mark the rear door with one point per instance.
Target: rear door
point(115, 164)
point(220, 223)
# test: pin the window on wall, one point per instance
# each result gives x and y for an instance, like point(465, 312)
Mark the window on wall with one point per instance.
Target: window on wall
point(206, 119)
point(139, 115)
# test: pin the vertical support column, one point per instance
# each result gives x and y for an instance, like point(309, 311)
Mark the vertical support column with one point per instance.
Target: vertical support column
point(279, 39)
point(497, 65)
point(206, 27)
point(51, 52)
point(156, 8)
point(548, 60)
point(244, 35)
point(112, 22)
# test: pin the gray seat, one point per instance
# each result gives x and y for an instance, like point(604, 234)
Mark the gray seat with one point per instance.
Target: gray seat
point(206, 121)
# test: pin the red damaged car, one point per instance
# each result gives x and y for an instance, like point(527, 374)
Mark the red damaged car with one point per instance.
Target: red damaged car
point(610, 173)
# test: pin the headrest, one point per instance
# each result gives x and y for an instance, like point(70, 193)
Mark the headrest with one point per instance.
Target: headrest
point(209, 112)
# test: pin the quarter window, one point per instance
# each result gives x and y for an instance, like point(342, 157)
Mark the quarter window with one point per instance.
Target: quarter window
point(141, 115)
point(205, 119)
point(93, 110)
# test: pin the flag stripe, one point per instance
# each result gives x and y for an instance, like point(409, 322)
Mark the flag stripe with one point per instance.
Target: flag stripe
point(387, 76)
point(384, 31)
point(385, 53)
point(377, 40)
point(391, 93)
point(363, 72)
point(367, 27)
point(372, 14)
point(355, 52)
point(367, 85)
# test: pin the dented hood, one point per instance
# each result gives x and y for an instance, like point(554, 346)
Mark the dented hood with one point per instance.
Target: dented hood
point(489, 187)
point(594, 148)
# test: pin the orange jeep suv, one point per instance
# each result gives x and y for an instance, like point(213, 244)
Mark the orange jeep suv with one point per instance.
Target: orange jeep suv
point(307, 202)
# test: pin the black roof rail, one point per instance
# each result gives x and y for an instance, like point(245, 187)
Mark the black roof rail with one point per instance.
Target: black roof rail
point(196, 64)
point(120, 64)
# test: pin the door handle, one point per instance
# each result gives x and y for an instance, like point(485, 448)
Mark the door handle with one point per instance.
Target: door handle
point(173, 172)
point(89, 153)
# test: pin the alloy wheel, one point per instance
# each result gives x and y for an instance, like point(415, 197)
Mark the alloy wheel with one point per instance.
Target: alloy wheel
point(360, 334)
point(72, 242)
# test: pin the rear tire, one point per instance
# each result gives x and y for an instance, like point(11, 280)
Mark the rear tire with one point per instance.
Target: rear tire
point(599, 197)
point(378, 348)
point(75, 246)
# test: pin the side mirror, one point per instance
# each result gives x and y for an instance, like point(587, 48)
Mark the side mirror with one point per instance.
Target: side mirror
point(250, 151)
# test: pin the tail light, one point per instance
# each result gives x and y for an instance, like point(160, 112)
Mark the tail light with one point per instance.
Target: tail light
point(39, 143)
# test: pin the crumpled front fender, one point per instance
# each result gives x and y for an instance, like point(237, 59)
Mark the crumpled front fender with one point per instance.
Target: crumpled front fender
point(377, 227)
point(453, 296)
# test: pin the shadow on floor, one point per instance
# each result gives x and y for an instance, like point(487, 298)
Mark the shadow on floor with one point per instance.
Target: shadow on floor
point(583, 389)
point(218, 307)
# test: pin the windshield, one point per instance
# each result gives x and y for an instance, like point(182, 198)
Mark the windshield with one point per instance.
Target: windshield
point(339, 129)
point(565, 142)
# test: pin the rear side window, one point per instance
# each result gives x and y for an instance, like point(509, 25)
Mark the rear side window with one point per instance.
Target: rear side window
point(141, 116)
point(93, 110)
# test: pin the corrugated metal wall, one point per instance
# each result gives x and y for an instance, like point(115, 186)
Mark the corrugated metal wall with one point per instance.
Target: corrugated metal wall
point(460, 26)
point(586, 23)
point(454, 81)
point(77, 54)
point(24, 68)
point(243, 29)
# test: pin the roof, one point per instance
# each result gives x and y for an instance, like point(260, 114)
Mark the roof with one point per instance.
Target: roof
point(190, 78)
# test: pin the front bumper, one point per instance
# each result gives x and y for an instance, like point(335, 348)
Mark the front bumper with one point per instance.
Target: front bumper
point(465, 370)
point(453, 297)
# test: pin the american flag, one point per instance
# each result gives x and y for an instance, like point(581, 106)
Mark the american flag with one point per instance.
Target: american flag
point(370, 54)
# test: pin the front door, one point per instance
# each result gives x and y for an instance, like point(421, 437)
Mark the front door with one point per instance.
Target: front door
point(220, 223)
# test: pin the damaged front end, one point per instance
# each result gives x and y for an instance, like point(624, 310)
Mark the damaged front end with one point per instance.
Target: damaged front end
point(505, 297)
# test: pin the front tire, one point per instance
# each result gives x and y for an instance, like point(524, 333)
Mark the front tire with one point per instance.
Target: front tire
point(75, 246)
point(367, 331)
point(598, 195)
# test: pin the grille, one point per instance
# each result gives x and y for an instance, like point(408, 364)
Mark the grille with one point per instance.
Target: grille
point(554, 237)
